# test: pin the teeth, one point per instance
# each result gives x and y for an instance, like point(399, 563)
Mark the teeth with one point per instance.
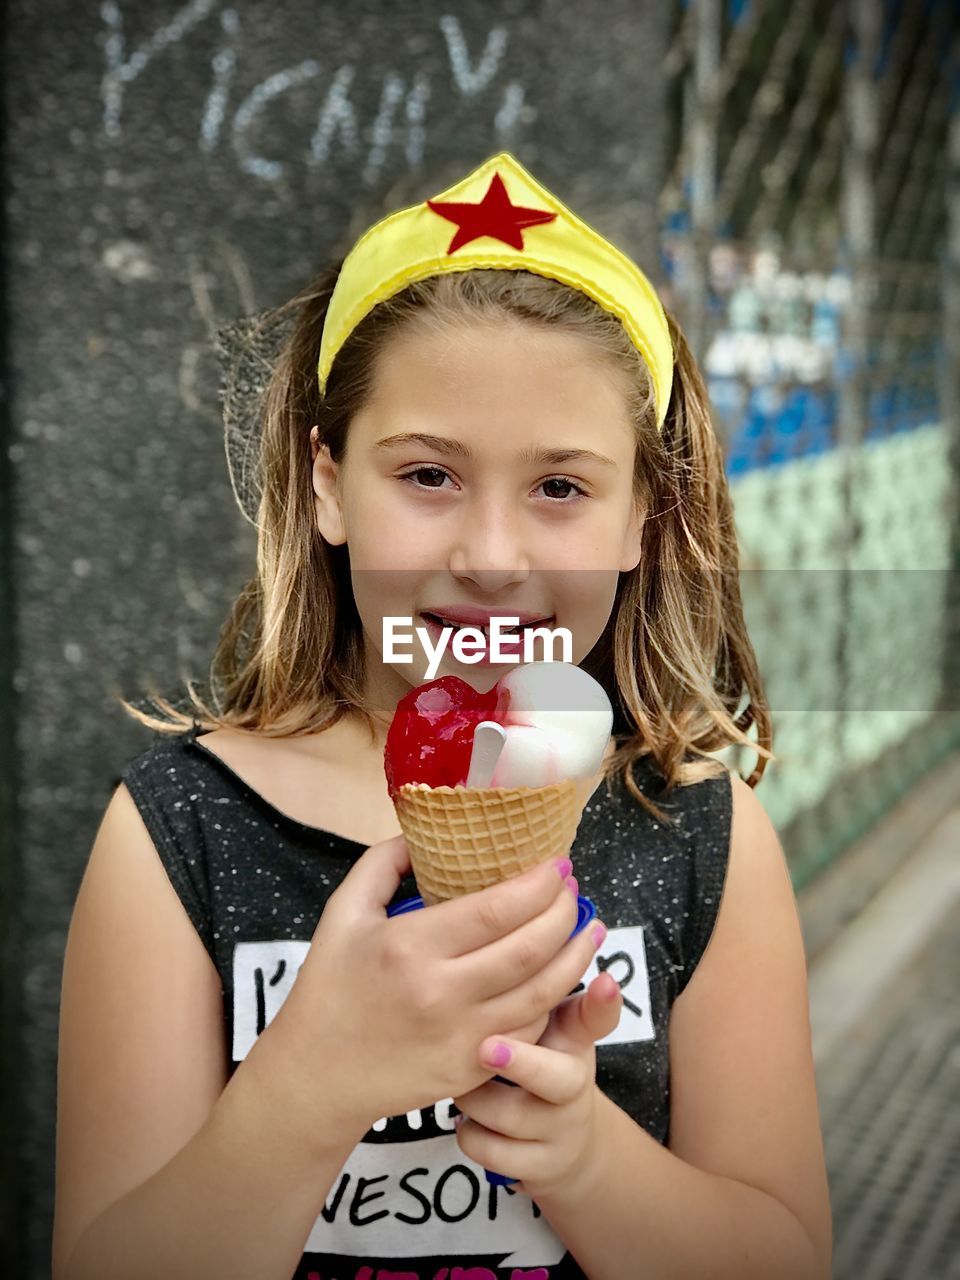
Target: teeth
point(459, 626)
point(504, 631)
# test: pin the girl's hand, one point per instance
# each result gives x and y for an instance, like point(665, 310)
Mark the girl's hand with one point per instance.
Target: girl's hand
point(385, 1015)
point(546, 1133)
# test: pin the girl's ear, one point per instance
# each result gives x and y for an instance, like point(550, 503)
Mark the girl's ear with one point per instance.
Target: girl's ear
point(326, 499)
point(632, 539)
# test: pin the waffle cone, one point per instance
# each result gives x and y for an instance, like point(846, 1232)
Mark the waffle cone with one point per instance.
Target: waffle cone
point(462, 839)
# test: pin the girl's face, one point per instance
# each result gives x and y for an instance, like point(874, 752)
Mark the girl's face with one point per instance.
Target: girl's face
point(491, 468)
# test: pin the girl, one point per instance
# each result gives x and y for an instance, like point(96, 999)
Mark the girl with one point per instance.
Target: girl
point(484, 411)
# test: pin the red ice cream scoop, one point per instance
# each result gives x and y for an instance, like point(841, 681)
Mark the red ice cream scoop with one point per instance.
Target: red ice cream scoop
point(431, 737)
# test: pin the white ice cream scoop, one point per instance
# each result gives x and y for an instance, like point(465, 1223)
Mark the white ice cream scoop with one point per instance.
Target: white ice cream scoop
point(557, 724)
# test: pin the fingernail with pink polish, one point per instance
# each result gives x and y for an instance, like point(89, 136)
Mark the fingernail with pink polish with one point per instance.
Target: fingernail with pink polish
point(573, 885)
point(598, 933)
point(499, 1056)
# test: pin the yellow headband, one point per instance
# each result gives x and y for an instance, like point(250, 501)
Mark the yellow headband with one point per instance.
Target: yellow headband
point(505, 220)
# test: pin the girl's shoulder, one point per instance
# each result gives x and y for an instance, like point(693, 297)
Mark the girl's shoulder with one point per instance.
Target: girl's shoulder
point(160, 764)
point(708, 798)
point(314, 783)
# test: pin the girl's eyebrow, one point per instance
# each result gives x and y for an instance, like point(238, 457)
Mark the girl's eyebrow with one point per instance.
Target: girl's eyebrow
point(552, 457)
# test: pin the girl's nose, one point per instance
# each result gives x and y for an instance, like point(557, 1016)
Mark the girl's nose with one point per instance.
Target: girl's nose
point(487, 548)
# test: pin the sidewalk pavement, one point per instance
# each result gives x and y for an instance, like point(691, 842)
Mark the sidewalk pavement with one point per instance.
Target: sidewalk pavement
point(885, 1021)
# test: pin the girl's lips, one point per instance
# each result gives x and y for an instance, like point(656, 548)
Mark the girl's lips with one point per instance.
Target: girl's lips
point(510, 646)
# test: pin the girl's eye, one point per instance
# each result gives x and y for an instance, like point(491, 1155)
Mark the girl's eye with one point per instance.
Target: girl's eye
point(428, 471)
point(565, 484)
point(438, 475)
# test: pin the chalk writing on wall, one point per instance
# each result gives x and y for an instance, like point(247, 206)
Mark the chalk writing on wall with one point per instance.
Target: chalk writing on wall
point(402, 107)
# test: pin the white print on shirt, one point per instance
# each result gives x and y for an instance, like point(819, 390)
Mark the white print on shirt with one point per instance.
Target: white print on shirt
point(264, 972)
point(426, 1199)
point(412, 1192)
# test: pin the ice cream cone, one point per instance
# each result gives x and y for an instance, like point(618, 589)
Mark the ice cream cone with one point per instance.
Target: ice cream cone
point(462, 839)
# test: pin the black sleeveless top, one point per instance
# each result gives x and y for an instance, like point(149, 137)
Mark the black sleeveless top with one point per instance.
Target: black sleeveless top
point(254, 882)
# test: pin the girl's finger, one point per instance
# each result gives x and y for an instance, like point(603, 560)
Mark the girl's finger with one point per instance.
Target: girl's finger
point(474, 921)
point(514, 1113)
point(581, 1020)
point(554, 1077)
point(553, 984)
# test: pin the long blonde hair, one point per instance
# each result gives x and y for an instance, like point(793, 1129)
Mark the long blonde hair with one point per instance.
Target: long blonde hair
point(674, 658)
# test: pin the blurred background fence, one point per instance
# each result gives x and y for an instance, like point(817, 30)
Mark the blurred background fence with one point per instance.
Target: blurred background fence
point(811, 239)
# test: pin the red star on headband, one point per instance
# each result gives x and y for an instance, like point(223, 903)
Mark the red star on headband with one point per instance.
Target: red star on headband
point(493, 216)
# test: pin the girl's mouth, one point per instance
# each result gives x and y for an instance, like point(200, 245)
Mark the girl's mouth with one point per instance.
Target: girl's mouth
point(511, 639)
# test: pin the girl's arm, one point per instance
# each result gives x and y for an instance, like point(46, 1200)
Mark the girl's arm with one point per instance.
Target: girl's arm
point(236, 1203)
point(163, 1167)
point(741, 1193)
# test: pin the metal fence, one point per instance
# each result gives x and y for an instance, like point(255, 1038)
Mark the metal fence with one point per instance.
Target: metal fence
point(811, 239)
